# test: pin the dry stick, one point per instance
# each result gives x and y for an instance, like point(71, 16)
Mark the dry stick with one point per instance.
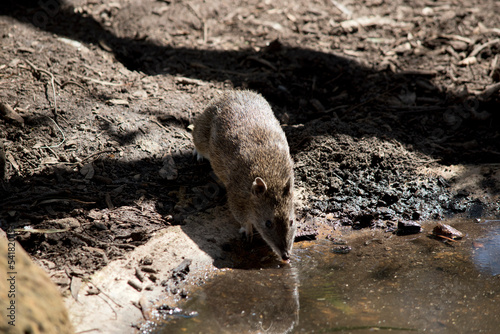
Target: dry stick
point(195, 13)
point(342, 8)
point(52, 80)
point(490, 90)
point(429, 73)
point(51, 151)
point(481, 47)
point(202, 20)
point(62, 133)
point(263, 62)
point(89, 330)
point(105, 83)
point(112, 309)
point(190, 81)
point(100, 290)
point(181, 134)
point(71, 82)
point(494, 65)
point(56, 200)
point(159, 124)
point(442, 236)
point(471, 72)
point(457, 38)
point(205, 32)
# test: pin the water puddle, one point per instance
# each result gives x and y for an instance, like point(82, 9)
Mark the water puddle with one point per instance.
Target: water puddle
point(487, 249)
point(386, 282)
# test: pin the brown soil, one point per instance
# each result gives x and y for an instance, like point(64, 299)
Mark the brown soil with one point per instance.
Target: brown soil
point(385, 104)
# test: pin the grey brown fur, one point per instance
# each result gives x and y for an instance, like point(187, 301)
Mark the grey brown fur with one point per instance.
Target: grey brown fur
point(248, 151)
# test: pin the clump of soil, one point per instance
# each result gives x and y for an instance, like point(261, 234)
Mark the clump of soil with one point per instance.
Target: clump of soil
point(368, 180)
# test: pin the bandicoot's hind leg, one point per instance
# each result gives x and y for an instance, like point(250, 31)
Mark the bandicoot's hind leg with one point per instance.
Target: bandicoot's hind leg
point(202, 131)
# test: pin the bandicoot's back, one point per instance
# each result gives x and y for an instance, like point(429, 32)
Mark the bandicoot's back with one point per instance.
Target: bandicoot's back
point(248, 151)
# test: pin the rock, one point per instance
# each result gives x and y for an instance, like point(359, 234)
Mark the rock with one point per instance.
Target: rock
point(181, 271)
point(406, 227)
point(169, 169)
point(342, 249)
point(66, 222)
point(446, 232)
point(35, 304)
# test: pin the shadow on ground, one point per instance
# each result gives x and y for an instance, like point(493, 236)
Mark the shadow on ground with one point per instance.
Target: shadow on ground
point(306, 85)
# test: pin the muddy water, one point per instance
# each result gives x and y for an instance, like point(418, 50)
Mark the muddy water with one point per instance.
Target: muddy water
point(386, 282)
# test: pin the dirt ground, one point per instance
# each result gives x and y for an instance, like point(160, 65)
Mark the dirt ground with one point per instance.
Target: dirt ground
point(391, 108)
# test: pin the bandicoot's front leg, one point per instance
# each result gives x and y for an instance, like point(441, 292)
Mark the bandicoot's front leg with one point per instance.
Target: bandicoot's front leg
point(247, 232)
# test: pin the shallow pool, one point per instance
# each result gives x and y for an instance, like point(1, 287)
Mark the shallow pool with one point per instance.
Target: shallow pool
point(385, 283)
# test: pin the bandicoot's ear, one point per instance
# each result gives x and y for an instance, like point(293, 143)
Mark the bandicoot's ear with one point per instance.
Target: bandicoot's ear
point(288, 187)
point(258, 186)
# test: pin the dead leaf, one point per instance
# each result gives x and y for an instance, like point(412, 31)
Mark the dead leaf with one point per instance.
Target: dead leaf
point(49, 161)
point(117, 102)
point(76, 284)
point(8, 113)
point(88, 171)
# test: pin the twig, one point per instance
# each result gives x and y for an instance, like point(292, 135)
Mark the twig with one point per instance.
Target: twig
point(494, 66)
point(442, 236)
point(490, 90)
point(481, 47)
point(135, 285)
point(100, 290)
point(105, 119)
point(51, 151)
point(457, 38)
point(89, 330)
point(105, 83)
point(263, 62)
point(71, 82)
point(52, 80)
point(202, 20)
point(205, 32)
point(56, 200)
point(62, 133)
point(342, 8)
point(184, 80)
point(429, 73)
point(144, 308)
point(192, 10)
point(492, 220)
point(159, 124)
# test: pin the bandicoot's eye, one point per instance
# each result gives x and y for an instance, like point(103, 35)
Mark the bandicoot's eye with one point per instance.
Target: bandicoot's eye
point(269, 224)
point(291, 222)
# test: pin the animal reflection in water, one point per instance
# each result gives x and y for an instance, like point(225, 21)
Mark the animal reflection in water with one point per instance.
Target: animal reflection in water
point(248, 301)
